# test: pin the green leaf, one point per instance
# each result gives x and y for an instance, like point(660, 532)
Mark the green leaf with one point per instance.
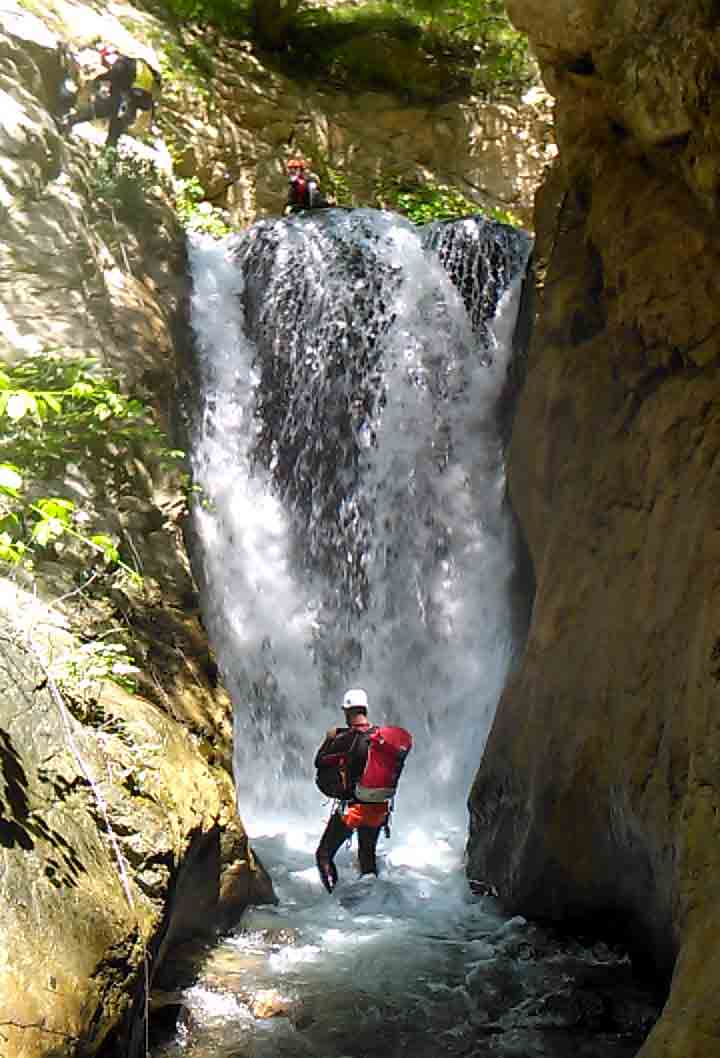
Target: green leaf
point(107, 545)
point(10, 478)
point(55, 507)
point(10, 523)
point(53, 403)
point(19, 404)
point(41, 407)
point(47, 530)
point(81, 389)
point(10, 550)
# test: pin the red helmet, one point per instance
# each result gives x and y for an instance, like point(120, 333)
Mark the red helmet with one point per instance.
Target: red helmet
point(295, 163)
point(108, 53)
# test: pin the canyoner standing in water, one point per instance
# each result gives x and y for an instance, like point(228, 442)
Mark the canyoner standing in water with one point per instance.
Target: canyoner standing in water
point(358, 766)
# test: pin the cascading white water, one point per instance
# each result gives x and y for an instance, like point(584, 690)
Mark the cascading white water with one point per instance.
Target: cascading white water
point(397, 581)
point(351, 529)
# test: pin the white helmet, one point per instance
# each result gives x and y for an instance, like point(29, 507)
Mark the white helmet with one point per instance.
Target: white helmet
point(355, 698)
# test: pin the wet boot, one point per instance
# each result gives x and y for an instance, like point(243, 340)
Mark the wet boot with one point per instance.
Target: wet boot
point(334, 835)
point(327, 870)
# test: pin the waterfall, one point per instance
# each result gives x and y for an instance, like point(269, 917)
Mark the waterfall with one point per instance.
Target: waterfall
point(352, 516)
point(352, 528)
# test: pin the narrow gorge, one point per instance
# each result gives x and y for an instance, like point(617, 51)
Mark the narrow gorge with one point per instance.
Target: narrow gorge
point(470, 464)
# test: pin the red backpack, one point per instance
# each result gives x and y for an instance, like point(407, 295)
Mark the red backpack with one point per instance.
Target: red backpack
point(362, 765)
point(387, 749)
point(299, 192)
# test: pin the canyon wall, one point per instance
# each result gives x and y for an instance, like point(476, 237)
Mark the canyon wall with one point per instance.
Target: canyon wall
point(597, 802)
point(119, 831)
point(238, 139)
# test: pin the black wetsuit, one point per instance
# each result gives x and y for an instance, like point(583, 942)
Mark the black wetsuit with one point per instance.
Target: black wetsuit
point(120, 104)
point(336, 832)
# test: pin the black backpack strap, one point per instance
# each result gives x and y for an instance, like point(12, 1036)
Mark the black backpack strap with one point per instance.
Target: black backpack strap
point(386, 824)
point(351, 779)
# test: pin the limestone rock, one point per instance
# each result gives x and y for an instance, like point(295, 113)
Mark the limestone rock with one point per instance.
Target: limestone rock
point(597, 798)
point(495, 153)
point(99, 820)
point(269, 1003)
point(119, 833)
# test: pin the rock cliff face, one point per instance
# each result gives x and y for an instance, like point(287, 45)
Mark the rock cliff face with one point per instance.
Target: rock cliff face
point(119, 833)
point(494, 152)
point(598, 798)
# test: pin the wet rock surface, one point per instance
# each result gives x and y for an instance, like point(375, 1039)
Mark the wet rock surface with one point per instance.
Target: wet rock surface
point(597, 797)
point(110, 851)
point(119, 834)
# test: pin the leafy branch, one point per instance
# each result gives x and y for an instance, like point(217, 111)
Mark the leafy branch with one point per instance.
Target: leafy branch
point(423, 203)
point(53, 518)
point(58, 413)
point(85, 666)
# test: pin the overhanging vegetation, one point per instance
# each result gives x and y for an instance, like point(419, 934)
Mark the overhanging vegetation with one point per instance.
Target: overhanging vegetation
point(420, 49)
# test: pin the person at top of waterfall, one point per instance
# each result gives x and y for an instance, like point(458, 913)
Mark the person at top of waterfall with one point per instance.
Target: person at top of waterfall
point(303, 187)
point(366, 819)
point(125, 88)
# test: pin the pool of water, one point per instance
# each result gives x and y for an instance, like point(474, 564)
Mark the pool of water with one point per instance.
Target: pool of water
point(409, 963)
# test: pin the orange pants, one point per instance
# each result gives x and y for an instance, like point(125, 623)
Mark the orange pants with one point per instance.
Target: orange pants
point(366, 815)
point(367, 819)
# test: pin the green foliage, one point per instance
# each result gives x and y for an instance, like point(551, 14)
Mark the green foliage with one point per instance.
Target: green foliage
point(479, 36)
point(336, 185)
point(54, 408)
point(420, 49)
point(123, 185)
point(429, 9)
point(57, 413)
point(181, 65)
point(427, 203)
point(422, 203)
point(82, 669)
point(195, 213)
point(419, 202)
point(231, 16)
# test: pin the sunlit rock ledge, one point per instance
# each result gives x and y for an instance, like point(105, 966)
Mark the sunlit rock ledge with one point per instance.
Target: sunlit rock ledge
point(598, 797)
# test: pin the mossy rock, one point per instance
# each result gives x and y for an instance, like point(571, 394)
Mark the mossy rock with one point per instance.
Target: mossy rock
point(387, 63)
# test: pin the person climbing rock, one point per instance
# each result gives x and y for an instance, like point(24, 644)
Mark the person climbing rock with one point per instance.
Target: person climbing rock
point(358, 765)
point(303, 187)
point(125, 88)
